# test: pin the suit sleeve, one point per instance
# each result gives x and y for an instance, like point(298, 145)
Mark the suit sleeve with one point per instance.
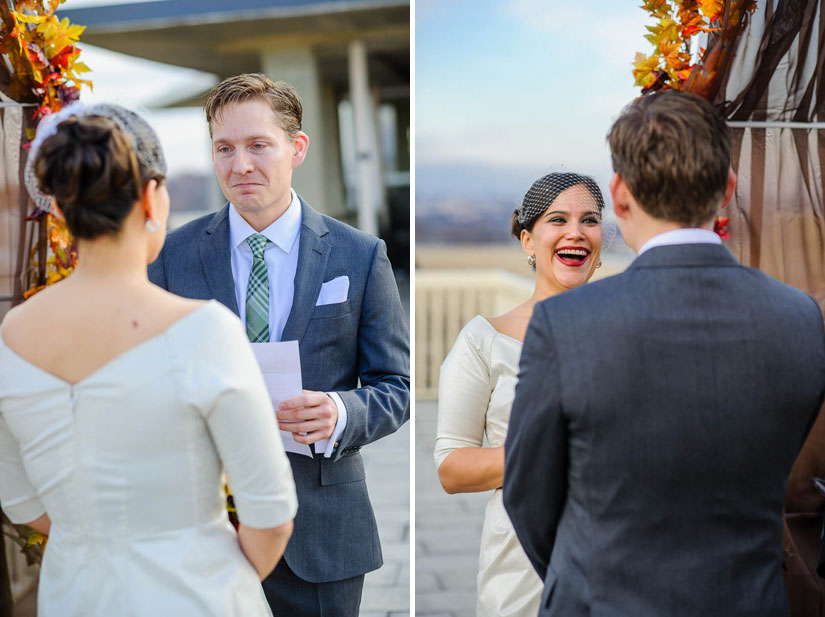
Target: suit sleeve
point(535, 451)
point(382, 403)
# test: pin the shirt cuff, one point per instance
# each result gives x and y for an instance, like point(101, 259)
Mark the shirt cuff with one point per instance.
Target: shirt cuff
point(329, 445)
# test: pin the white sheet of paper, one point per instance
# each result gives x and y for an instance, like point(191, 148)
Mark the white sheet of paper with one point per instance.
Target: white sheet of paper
point(281, 366)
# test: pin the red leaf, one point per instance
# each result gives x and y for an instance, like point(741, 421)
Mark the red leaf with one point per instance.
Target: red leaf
point(36, 54)
point(62, 59)
point(720, 226)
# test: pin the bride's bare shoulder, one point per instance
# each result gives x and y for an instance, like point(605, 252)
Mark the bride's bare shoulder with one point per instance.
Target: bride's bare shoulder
point(176, 305)
point(512, 324)
point(44, 304)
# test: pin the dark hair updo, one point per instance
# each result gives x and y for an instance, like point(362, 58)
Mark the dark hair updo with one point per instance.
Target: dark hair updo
point(543, 193)
point(92, 169)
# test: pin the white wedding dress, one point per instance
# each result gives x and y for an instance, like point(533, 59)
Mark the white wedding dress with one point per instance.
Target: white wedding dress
point(127, 463)
point(475, 395)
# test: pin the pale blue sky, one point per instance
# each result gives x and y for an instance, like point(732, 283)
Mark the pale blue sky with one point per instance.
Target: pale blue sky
point(509, 86)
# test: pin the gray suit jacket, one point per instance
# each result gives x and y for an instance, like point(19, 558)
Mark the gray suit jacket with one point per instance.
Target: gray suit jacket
point(361, 340)
point(656, 419)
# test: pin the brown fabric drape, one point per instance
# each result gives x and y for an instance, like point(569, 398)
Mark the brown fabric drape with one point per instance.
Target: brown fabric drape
point(778, 219)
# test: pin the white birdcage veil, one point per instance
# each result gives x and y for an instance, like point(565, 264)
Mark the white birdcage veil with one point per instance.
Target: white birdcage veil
point(144, 141)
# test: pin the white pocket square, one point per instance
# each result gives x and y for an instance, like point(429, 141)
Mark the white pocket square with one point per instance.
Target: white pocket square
point(334, 291)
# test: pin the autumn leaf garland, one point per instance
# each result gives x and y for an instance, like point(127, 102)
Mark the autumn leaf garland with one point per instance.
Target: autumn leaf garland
point(677, 22)
point(43, 56)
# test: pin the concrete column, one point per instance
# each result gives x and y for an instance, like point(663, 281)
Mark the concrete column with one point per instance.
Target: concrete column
point(370, 184)
point(318, 180)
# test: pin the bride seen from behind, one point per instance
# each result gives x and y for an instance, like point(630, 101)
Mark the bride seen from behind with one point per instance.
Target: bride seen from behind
point(117, 414)
point(559, 225)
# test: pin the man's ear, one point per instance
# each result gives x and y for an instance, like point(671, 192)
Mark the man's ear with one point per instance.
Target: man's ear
point(620, 195)
point(300, 145)
point(730, 188)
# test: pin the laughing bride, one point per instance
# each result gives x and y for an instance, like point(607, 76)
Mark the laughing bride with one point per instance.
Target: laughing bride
point(559, 225)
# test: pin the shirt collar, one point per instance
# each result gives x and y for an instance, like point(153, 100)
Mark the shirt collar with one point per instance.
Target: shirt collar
point(686, 235)
point(283, 232)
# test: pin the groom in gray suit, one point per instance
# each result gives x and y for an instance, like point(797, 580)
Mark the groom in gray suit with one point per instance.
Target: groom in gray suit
point(658, 412)
point(291, 273)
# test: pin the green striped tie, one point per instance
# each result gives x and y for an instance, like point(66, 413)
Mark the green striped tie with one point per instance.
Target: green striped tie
point(257, 292)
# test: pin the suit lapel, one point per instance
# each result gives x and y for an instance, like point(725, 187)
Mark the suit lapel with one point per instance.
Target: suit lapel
point(313, 254)
point(216, 260)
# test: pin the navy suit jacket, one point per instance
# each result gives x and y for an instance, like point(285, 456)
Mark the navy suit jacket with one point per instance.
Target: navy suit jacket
point(363, 340)
point(656, 419)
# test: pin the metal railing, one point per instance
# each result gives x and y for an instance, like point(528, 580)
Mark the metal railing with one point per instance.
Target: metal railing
point(445, 300)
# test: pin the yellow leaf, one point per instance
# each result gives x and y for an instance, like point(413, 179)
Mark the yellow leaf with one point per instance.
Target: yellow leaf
point(35, 539)
point(80, 67)
point(75, 31)
point(29, 19)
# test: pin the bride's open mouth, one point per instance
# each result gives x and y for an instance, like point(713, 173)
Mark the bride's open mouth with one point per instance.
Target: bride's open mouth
point(572, 255)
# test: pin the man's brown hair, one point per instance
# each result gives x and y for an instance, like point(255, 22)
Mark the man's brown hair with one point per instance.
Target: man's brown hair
point(280, 96)
point(673, 151)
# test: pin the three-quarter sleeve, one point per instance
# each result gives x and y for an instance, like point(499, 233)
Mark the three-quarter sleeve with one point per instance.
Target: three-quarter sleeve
point(18, 498)
point(243, 426)
point(464, 390)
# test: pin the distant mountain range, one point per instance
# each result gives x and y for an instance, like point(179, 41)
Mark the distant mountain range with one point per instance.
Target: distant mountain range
point(474, 181)
point(473, 203)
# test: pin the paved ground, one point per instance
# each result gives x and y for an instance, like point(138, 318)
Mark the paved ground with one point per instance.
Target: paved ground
point(447, 532)
point(387, 590)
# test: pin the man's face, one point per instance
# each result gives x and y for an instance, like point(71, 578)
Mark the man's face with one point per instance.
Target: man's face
point(254, 158)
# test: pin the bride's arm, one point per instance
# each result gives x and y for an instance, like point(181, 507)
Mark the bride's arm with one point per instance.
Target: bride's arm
point(470, 470)
point(41, 524)
point(264, 547)
point(464, 390)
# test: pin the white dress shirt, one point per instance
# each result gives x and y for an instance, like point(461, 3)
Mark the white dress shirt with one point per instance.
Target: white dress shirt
point(686, 235)
point(281, 258)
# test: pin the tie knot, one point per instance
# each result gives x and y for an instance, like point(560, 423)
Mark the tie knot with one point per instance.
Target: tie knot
point(257, 243)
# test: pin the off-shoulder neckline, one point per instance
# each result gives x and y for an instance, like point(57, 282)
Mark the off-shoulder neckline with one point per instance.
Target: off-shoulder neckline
point(134, 348)
point(497, 331)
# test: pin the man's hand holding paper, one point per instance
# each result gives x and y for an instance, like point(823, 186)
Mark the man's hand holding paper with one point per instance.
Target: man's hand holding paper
point(310, 417)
